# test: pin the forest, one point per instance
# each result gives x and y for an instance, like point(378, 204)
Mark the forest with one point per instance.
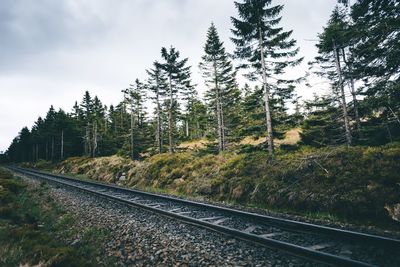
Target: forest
point(358, 55)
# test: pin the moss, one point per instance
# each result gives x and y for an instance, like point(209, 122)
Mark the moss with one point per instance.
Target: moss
point(356, 182)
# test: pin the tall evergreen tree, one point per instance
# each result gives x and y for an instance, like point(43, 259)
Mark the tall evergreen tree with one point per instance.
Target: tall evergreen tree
point(268, 49)
point(87, 111)
point(135, 96)
point(219, 76)
point(331, 49)
point(157, 84)
point(178, 75)
point(376, 38)
point(322, 126)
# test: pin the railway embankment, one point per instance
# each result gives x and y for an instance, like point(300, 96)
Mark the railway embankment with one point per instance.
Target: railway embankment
point(357, 184)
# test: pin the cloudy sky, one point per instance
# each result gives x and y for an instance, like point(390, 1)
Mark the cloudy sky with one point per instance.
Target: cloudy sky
point(52, 51)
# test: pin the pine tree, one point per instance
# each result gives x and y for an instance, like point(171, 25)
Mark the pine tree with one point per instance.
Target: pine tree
point(190, 98)
point(253, 113)
point(87, 111)
point(178, 75)
point(376, 39)
point(331, 49)
point(219, 77)
point(322, 127)
point(157, 85)
point(267, 48)
point(135, 96)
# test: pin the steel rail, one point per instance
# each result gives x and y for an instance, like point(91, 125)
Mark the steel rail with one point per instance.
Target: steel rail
point(296, 250)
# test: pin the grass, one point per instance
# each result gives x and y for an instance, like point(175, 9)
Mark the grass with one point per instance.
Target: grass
point(34, 230)
point(357, 184)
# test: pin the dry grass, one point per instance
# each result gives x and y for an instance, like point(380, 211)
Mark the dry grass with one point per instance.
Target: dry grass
point(194, 145)
point(292, 137)
point(250, 140)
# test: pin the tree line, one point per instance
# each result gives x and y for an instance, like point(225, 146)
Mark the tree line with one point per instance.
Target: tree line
point(358, 56)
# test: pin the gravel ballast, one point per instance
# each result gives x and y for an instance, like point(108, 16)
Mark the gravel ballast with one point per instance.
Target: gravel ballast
point(141, 238)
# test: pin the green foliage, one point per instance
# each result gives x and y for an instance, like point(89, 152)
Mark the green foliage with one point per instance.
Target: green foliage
point(33, 229)
point(355, 183)
point(321, 128)
point(359, 41)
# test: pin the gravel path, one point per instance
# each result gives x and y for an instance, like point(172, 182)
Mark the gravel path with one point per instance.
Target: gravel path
point(141, 238)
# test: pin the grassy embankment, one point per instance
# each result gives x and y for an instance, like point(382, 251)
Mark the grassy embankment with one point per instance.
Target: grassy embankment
point(35, 231)
point(356, 184)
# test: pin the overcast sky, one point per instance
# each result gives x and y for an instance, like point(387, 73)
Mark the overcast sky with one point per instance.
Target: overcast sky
point(52, 51)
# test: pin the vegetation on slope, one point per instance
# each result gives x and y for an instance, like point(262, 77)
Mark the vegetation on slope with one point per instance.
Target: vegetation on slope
point(355, 183)
point(34, 230)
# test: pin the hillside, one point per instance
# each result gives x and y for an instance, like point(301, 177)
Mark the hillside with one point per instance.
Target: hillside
point(359, 183)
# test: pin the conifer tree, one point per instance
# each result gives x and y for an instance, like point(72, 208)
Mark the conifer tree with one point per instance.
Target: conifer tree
point(135, 96)
point(268, 49)
point(376, 39)
point(219, 77)
point(157, 84)
point(87, 111)
point(322, 126)
point(330, 47)
point(178, 75)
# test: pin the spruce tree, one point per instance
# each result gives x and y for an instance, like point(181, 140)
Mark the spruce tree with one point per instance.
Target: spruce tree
point(268, 49)
point(87, 108)
point(322, 126)
point(331, 51)
point(376, 38)
point(157, 85)
point(178, 75)
point(135, 97)
point(219, 77)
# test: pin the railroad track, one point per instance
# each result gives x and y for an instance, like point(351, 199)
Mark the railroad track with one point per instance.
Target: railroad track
point(322, 244)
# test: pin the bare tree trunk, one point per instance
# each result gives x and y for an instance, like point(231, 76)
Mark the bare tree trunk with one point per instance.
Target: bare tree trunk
point(198, 135)
point(94, 139)
point(220, 125)
point(122, 114)
point(270, 136)
point(220, 146)
point(341, 86)
point(353, 92)
point(355, 103)
point(159, 138)
point(395, 115)
point(132, 140)
point(62, 145)
point(221, 109)
point(187, 126)
point(170, 119)
point(88, 145)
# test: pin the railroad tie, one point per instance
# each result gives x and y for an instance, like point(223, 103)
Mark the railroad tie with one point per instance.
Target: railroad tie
point(220, 221)
point(320, 246)
point(271, 234)
point(175, 210)
point(211, 218)
point(183, 212)
point(251, 229)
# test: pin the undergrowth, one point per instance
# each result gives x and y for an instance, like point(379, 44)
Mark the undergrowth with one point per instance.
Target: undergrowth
point(357, 183)
point(35, 231)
